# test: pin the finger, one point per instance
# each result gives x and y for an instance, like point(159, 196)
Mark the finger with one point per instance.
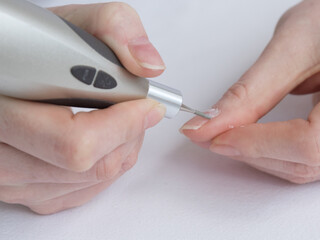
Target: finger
point(288, 177)
point(70, 200)
point(119, 26)
point(281, 166)
point(38, 192)
point(294, 141)
point(23, 168)
point(123, 158)
point(75, 142)
point(80, 197)
point(288, 60)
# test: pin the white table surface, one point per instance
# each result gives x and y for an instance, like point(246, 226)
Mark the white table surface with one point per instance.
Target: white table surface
point(178, 190)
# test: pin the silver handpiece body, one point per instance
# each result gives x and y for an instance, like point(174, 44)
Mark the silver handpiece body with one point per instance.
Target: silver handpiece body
point(45, 58)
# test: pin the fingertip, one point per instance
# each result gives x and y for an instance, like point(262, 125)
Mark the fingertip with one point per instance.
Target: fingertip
point(196, 128)
point(148, 60)
point(193, 125)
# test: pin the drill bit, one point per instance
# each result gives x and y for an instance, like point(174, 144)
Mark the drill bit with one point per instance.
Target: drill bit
point(196, 112)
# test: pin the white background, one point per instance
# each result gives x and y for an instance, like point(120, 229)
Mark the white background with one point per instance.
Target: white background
point(178, 190)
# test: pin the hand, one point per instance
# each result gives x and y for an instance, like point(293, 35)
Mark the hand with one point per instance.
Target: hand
point(52, 159)
point(289, 64)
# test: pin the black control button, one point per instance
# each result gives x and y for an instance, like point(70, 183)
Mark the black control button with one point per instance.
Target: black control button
point(104, 81)
point(84, 74)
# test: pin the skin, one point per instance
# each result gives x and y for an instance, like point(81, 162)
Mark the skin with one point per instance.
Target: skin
point(52, 159)
point(289, 64)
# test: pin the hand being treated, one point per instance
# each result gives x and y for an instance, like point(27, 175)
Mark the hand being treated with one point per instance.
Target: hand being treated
point(289, 64)
point(52, 159)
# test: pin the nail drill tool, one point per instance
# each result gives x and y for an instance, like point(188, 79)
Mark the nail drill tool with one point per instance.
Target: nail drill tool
point(47, 59)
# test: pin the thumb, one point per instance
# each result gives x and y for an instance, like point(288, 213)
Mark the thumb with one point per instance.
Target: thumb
point(75, 142)
point(119, 26)
point(288, 59)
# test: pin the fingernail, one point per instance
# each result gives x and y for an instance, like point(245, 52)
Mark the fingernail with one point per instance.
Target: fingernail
point(155, 115)
point(225, 150)
point(197, 122)
point(145, 54)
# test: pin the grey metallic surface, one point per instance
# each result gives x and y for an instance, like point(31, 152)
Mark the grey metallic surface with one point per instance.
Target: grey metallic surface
point(171, 98)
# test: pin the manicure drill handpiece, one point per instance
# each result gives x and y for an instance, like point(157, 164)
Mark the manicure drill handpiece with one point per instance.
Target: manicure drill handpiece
point(45, 58)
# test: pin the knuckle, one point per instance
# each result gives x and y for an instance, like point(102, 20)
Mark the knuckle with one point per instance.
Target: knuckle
point(111, 16)
point(116, 13)
point(76, 151)
point(126, 166)
point(239, 91)
point(106, 170)
point(129, 162)
point(289, 19)
point(284, 18)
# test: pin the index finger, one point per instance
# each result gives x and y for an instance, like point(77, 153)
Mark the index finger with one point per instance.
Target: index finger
point(288, 60)
point(73, 141)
